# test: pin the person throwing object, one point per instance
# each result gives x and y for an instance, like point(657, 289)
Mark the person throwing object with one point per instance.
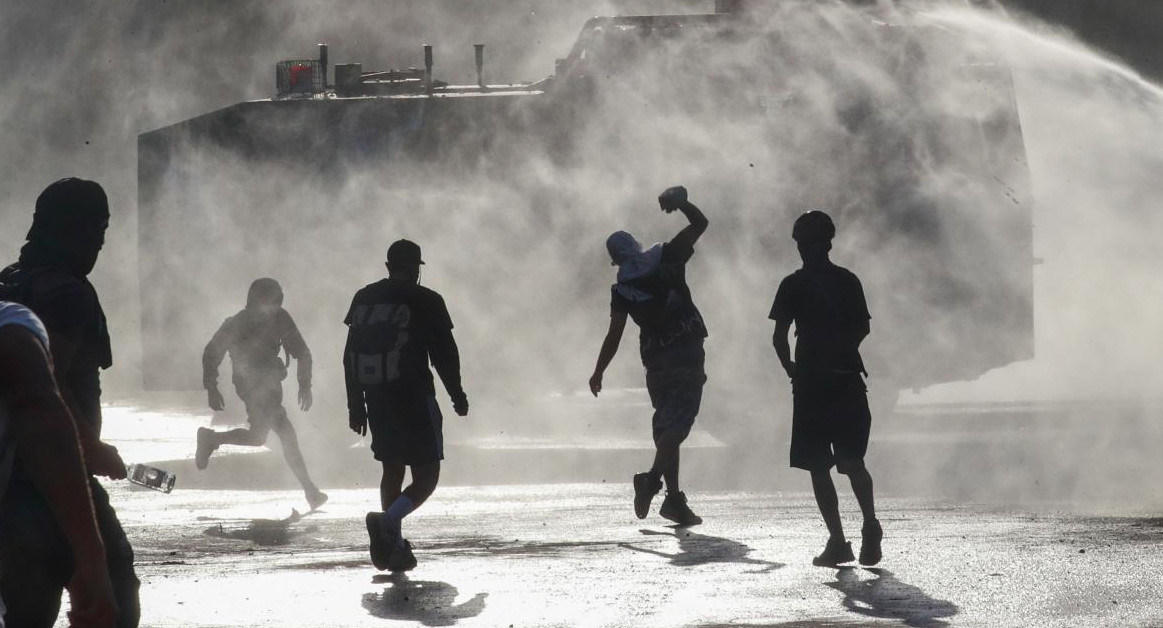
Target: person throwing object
point(651, 288)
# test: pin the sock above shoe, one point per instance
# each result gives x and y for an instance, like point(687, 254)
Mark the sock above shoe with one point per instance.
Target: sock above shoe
point(392, 519)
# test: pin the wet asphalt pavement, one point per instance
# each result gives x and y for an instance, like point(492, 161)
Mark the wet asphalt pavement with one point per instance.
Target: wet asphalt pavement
point(501, 553)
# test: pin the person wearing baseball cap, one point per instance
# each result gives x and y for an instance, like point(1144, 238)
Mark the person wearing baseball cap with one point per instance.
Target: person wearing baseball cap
point(830, 415)
point(395, 327)
point(651, 288)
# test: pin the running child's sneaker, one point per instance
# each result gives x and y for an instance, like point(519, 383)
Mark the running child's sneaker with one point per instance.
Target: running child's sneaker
point(644, 490)
point(674, 507)
point(402, 558)
point(379, 547)
point(871, 535)
point(835, 553)
point(206, 447)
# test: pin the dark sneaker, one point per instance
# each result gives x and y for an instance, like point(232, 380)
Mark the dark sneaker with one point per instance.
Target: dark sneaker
point(871, 535)
point(674, 508)
point(379, 548)
point(316, 499)
point(206, 447)
point(402, 558)
point(644, 491)
point(835, 553)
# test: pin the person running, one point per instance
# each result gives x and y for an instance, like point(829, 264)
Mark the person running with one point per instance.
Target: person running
point(50, 278)
point(651, 288)
point(38, 436)
point(395, 326)
point(830, 416)
point(253, 338)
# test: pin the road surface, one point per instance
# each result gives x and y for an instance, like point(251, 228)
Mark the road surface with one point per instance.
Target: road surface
point(507, 541)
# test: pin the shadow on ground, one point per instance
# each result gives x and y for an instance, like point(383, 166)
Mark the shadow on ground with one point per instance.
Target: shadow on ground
point(428, 602)
point(264, 532)
point(885, 597)
point(701, 549)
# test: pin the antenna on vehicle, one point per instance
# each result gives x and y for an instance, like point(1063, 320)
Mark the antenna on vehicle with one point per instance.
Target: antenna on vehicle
point(323, 65)
point(428, 68)
point(480, 53)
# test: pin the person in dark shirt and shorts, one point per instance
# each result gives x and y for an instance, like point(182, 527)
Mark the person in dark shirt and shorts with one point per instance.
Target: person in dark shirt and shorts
point(253, 338)
point(830, 416)
point(395, 326)
point(652, 290)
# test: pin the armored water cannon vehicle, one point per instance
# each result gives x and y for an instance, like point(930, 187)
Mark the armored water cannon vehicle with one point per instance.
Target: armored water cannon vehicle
point(903, 129)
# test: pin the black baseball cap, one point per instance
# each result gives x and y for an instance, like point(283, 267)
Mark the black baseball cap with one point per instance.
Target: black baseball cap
point(404, 253)
point(813, 225)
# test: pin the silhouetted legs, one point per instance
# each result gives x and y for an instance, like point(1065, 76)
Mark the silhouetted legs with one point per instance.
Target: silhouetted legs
point(391, 483)
point(265, 412)
point(676, 394)
point(399, 503)
point(425, 477)
point(828, 502)
point(861, 481)
point(666, 457)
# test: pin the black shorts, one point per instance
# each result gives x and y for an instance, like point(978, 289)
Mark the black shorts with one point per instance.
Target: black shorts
point(409, 429)
point(830, 421)
point(263, 398)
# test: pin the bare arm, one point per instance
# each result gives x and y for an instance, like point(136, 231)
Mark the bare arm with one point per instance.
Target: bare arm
point(49, 451)
point(692, 232)
point(782, 348)
point(676, 198)
point(609, 349)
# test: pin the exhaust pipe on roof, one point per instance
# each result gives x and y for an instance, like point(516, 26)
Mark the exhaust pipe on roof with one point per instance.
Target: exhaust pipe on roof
point(323, 65)
point(428, 68)
point(480, 54)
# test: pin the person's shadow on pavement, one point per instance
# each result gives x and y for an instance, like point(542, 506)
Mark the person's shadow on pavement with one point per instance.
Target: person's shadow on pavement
point(701, 549)
point(265, 532)
point(428, 602)
point(888, 598)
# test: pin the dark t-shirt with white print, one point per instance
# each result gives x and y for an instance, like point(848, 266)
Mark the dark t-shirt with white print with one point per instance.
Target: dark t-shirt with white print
point(660, 303)
point(392, 325)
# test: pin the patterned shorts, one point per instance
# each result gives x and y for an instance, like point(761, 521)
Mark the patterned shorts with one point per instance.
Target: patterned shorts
point(676, 393)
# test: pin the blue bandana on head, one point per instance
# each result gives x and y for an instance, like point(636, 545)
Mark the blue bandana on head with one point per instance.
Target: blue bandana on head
point(633, 262)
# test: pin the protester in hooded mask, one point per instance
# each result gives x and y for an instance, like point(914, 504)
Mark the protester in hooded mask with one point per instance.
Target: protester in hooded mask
point(652, 289)
point(50, 278)
point(253, 338)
